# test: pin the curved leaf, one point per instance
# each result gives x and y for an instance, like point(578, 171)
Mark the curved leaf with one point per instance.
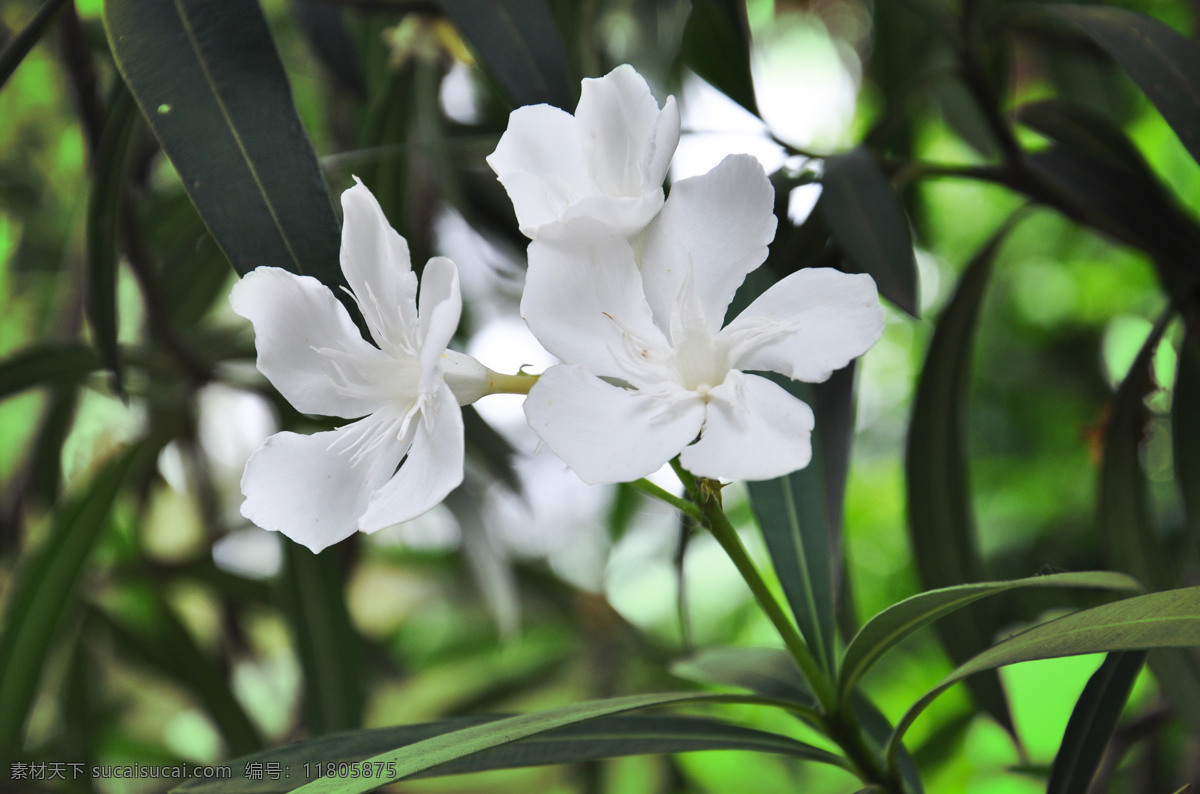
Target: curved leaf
point(434, 751)
point(1185, 425)
point(41, 594)
point(1081, 128)
point(46, 365)
point(1163, 62)
point(716, 45)
point(861, 209)
point(1092, 723)
point(770, 672)
point(884, 631)
point(1170, 619)
point(209, 82)
point(940, 523)
point(520, 45)
point(606, 737)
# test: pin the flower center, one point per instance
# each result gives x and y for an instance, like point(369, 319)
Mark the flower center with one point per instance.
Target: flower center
point(700, 363)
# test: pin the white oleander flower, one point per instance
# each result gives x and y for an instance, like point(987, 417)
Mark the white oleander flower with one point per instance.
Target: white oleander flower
point(650, 370)
point(318, 489)
point(606, 162)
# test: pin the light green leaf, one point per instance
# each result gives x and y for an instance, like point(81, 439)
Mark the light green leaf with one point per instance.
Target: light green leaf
point(209, 82)
point(1169, 619)
point(428, 753)
point(884, 631)
point(865, 217)
point(42, 591)
point(1092, 723)
point(605, 737)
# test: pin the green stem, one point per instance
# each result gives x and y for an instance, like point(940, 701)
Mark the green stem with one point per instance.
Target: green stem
point(499, 383)
point(682, 505)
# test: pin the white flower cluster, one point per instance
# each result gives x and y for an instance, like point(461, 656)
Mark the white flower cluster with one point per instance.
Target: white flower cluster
point(627, 288)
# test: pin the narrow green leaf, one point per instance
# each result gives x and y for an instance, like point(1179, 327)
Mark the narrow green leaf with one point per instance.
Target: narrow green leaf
point(793, 515)
point(1169, 619)
point(428, 753)
point(605, 737)
point(1163, 62)
point(518, 42)
point(940, 522)
point(46, 365)
point(1092, 723)
point(770, 672)
point(865, 217)
point(878, 729)
point(208, 80)
point(23, 42)
point(1123, 511)
point(1079, 127)
point(1185, 425)
point(884, 631)
point(42, 592)
point(313, 591)
point(165, 645)
point(716, 45)
point(103, 217)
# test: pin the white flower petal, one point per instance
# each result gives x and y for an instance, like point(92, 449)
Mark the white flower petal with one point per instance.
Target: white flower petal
point(540, 162)
point(753, 430)
point(807, 325)
point(618, 128)
point(296, 317)
point(623, 215)
point(306, 487)
point(717, 227)
point(375, 260)
point(433, 468)
point(583, 300)
point(606, 433)
point(439, 311)
point(666, 139)
point(466, 377)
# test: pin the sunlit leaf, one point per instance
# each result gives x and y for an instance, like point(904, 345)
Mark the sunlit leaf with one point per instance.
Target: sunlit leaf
point(606, 737)
point(716, 45)
point(434, 751)
point(20, 45)
point(866, 219)
point(1169, 619)
point(208, 80)
point(1163, 62)
point(41, 593)
point(103, 219)
point(886, 630)
point(519, 44)
point(940, 521)
point(1092, 723)
point(313, 591)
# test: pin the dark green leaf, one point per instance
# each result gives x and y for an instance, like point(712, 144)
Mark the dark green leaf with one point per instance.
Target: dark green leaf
point(940, 522)
point(716, 45)
point(23, 42)
point(1123, 512)
point(878, 729)
point(434, 751)
point(606, 737)
point(103, 218)
point(326, 642)
point(208, 80)
point(46, 365)
point(884, 631)
point(794, 518)
point(41, 593)
point(1081, 128)
point(1185, 425)
point(1169, 619)
point(1163, 62)
point(1092, 723)
point(165, 645)
point(324, 27)
point(770, 672)
point(519, 44)
point(867, 221)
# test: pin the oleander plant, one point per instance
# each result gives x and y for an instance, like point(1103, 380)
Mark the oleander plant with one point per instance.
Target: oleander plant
point(611, 396)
